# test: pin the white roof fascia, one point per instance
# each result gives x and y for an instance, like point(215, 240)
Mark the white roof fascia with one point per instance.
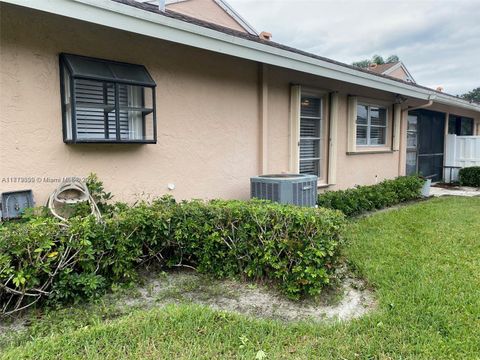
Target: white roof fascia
point(131, 19)
point(238, 18)
point(450, 100)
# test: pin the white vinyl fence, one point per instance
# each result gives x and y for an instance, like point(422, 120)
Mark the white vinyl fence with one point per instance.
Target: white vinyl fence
point(461, 151)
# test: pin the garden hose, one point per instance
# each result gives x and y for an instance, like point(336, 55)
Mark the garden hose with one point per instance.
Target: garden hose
point(72, 192)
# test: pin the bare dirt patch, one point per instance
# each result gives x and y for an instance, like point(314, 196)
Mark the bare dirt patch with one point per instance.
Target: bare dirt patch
point(350, 299)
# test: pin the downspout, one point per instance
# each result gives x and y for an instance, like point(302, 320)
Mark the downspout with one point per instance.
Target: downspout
point(403, 145)
point(428, 104)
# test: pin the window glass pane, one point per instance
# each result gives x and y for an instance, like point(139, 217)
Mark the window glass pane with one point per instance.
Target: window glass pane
point(147, 97)
point(148, 129)
point(452, 125)
point(67, 102)
point(131, 125)
point(130, 72)
point(309, 128)
point(310, 107)
point(92, 93)
point(310, 167)
point(411, 162)
point(411, 139)
point(466, 127)
point(311, 134)
point(95, 106)
point(90, 123)
point(94, 101)
point(88, 67)
point(377, 136)
point(131, 96)
point(361, 135)
point(131, 112)
point(309, 149)
point(412, 122)
point(378, 116)
point(112, 125)
point(362, 112)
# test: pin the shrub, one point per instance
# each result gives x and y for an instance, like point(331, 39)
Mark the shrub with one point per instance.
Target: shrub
point(470, 176)
point(367, 198)
point(297, 248)
point(41, 255)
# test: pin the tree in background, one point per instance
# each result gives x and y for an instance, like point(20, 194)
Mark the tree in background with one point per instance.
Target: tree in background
point(473, 95)
point(376, 59)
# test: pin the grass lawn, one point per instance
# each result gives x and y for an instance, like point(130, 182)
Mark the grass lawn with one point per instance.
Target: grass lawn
point(423, 261)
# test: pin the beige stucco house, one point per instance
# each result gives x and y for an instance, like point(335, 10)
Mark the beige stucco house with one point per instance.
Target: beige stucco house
point(158, 101)
point(395, 69)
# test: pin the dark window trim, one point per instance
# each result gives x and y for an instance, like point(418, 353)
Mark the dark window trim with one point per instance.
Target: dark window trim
point(64, 55)
point(109, 80)
point(62, 101)
point(459, 121)
point(104, 141)
point(65, 66)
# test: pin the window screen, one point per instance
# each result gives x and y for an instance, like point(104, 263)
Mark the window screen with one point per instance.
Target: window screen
point(106, 101)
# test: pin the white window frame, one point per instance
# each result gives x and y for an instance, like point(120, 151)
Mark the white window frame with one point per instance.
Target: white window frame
point(321, 96)
point(369, 125)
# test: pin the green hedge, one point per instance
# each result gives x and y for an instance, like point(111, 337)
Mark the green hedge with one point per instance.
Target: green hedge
point(367, 198)
point(470, 176)
point(296, 248)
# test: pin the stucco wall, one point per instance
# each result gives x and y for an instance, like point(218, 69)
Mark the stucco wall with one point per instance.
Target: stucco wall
point(207, 113)
point(206, 10)
point(209, 116)
point(359, 169)
point(399, 73)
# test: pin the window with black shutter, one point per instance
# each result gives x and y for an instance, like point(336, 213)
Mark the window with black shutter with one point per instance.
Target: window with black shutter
point(106, 101)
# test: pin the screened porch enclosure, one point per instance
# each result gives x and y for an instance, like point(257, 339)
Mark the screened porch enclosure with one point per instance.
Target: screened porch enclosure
point(425, 144)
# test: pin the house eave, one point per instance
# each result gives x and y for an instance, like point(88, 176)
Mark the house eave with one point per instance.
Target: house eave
point(120, 16)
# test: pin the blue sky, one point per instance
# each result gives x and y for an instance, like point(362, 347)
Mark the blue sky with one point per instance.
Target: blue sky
point(438, 40)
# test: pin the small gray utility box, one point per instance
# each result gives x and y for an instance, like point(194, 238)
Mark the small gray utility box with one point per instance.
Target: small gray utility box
point(14, 203)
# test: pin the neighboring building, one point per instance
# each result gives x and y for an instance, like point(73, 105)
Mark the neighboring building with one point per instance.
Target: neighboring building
point(395, 69)
point(214, 11)
point(157, 101)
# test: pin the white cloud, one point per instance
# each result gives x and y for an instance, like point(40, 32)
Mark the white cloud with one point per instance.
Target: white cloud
point(438, 40)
